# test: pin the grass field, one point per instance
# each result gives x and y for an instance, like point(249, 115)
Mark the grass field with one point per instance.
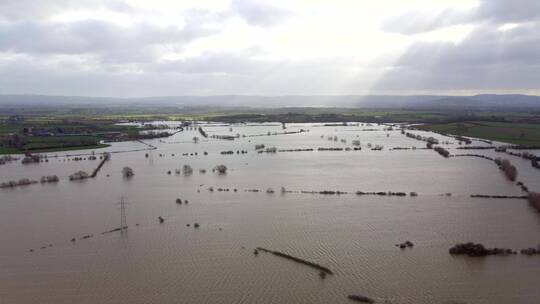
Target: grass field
point(8, 151)
point(514, 133)
point(56, 143)
point(70, 148)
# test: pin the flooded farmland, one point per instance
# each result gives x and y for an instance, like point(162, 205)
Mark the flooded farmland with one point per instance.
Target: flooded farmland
point(53, 250)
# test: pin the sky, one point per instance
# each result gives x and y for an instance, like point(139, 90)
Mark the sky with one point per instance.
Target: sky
point(135, 48)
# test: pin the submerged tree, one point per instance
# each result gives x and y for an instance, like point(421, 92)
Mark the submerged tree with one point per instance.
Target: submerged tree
point(187, 170)
point(127, 172)
point(79, 175)
point(221, 169)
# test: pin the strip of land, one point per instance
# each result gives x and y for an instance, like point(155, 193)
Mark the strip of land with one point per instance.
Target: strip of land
point(49, 129)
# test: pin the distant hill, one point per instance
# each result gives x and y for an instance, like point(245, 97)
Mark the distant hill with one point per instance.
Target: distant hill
point(431, 102)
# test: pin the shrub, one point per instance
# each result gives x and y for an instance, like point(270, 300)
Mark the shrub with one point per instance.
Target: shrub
point(534, 200)
point(221, 169)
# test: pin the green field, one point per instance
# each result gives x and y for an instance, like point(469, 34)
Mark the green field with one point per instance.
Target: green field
point(514, 133)
point(66, 148)
point(55, 143)
point(8, 151)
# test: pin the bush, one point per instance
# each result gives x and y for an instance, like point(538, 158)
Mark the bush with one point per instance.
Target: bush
point(221, 169)
point(534, 200)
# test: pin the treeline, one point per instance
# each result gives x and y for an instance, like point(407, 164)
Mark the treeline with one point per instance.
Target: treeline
point(473, 155)
point(525, 155)
point(321, 268)
point(509, 170)
point(466, 140)
point(442, 151)
point(203, 133)
point(340, 115)
point(476, 148)
point(535, 164)
point(430, 140)
point(149, 135)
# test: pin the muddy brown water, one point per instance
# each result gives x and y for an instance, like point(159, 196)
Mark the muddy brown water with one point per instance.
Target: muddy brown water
point(352, 235)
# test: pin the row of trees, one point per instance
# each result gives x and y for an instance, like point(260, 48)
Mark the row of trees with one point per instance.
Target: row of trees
point(12, 141)
point(442, 151)
point(509, 170)
point(203, 133)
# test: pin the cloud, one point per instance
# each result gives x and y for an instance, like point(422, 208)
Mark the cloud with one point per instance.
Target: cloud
point(414, 22)
point(505, 11)
point(121, 47)
point(239, 63)
point(17, 10)
point(259, 13)
point(493, 12)
point(207, 74)
point(111, 42)
point(487, 59)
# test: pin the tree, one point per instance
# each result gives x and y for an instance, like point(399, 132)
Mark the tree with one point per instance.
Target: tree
point(15, 141)
point(534, 200)
point(221, 169)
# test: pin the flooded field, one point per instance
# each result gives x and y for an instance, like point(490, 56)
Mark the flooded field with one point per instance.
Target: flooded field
point(355, 236)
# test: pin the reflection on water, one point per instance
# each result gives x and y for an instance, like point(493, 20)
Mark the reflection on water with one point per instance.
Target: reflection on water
point(352, 235)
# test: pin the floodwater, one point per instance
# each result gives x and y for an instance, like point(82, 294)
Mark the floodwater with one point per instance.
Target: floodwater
point(354, 236)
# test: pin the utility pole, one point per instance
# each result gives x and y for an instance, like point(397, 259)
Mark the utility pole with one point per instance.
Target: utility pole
point(123, 219)
point(151, 158)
